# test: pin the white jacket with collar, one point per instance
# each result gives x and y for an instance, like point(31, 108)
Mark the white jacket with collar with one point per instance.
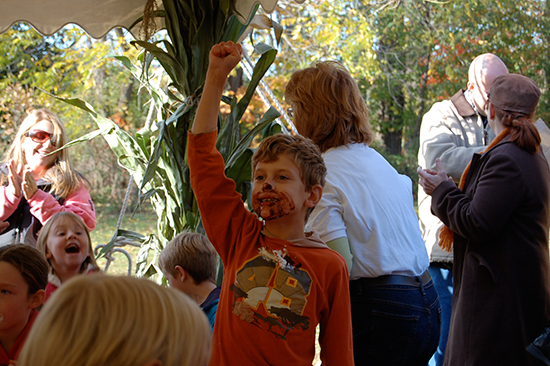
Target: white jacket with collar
point(452, 131)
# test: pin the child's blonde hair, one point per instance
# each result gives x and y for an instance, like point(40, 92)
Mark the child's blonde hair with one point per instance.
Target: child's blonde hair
point(61, 174)
point(117, 321)
point(328, 106)
point(77, 220)
point(194, 253)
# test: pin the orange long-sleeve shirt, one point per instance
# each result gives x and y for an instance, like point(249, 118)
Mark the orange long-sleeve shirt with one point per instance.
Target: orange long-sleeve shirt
point(274, 292)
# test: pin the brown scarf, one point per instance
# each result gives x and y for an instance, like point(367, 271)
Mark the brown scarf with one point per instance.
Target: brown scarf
point(446, 236)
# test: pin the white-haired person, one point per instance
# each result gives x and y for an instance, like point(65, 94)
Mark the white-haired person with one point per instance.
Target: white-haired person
point(101, 320)
point(36, 182)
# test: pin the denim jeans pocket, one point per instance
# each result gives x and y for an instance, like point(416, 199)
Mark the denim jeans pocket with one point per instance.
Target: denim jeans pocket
point(392, 335)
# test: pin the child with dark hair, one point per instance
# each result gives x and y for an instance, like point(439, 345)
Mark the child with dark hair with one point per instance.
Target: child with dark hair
point(279, 282)
point(23, 278)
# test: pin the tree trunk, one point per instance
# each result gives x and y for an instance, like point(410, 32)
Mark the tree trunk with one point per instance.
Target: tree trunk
point(392, 140)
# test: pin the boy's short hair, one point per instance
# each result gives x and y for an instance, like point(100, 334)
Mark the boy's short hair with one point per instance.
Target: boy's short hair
point(328, 106)
point(194, 253)
point(302, 150)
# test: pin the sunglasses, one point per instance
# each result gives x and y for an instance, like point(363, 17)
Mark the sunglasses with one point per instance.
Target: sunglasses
point(40, 136)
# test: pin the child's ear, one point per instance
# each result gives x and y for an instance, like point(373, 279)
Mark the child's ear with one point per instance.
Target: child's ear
point(37, 299)
point(314, 196)
point(48, 253)
point(182, 273)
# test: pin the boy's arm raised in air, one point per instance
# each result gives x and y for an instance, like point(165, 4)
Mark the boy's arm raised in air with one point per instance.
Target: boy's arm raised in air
point(223, 213)
point(223, 58)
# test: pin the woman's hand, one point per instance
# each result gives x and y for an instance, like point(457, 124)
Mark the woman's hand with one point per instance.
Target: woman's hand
point(28, 186)
point(430, 179)
point(3, 225)
point(15, 179)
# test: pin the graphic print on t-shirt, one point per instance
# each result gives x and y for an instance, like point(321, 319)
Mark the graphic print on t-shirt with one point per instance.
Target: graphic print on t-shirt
point(271, 292)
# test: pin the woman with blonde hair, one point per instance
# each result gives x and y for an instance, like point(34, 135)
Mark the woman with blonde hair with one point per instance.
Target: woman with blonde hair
point(118, 321)
point(37, 181)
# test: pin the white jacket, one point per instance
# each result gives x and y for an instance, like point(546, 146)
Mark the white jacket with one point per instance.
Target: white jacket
point(544, 132)
point(453, 132)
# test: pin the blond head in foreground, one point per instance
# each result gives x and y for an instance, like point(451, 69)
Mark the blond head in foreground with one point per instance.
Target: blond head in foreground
point(118, 321)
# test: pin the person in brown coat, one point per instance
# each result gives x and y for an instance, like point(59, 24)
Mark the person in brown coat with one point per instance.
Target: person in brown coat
point(497, 222)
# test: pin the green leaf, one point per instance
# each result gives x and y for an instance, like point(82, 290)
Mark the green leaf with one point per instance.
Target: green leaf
point(85, 138)
point(229, 132)
point(151, 169)
point(268, 56)
point(234, 30)
point(170, 64)
point(122, 144)
point(265, 122)
point(241, 170)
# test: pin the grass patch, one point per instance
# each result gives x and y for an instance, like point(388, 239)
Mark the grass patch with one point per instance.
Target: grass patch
point(143, 222)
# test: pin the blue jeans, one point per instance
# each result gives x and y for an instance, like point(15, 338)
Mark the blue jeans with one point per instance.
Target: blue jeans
point(395, 324)
point(442, 276)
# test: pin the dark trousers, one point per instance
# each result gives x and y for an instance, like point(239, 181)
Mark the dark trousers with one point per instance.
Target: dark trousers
point(394, 324)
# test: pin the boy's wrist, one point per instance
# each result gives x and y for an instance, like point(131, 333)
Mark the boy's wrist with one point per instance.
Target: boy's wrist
point(216, 76)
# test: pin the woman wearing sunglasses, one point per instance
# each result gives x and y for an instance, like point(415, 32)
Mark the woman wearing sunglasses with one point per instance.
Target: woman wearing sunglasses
point(37, 181)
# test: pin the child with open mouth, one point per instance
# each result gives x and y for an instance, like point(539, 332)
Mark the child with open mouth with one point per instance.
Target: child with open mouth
point(65, 242)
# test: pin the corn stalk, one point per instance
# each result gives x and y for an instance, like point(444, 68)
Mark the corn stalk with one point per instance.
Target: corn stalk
point(156, 156)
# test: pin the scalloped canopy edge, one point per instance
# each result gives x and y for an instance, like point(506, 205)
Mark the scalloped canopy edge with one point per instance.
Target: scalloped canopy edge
point(96, 17)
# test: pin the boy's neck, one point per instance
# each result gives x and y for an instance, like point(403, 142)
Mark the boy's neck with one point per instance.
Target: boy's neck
point(201, 292)
point(286, 228)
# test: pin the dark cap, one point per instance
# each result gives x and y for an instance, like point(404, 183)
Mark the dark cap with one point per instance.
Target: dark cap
point(515, 93)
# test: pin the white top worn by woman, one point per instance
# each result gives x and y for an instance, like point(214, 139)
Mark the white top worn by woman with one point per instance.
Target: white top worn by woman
point(372, 205)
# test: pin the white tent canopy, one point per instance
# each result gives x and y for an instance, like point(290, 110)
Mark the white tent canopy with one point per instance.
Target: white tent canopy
point(96, 17)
